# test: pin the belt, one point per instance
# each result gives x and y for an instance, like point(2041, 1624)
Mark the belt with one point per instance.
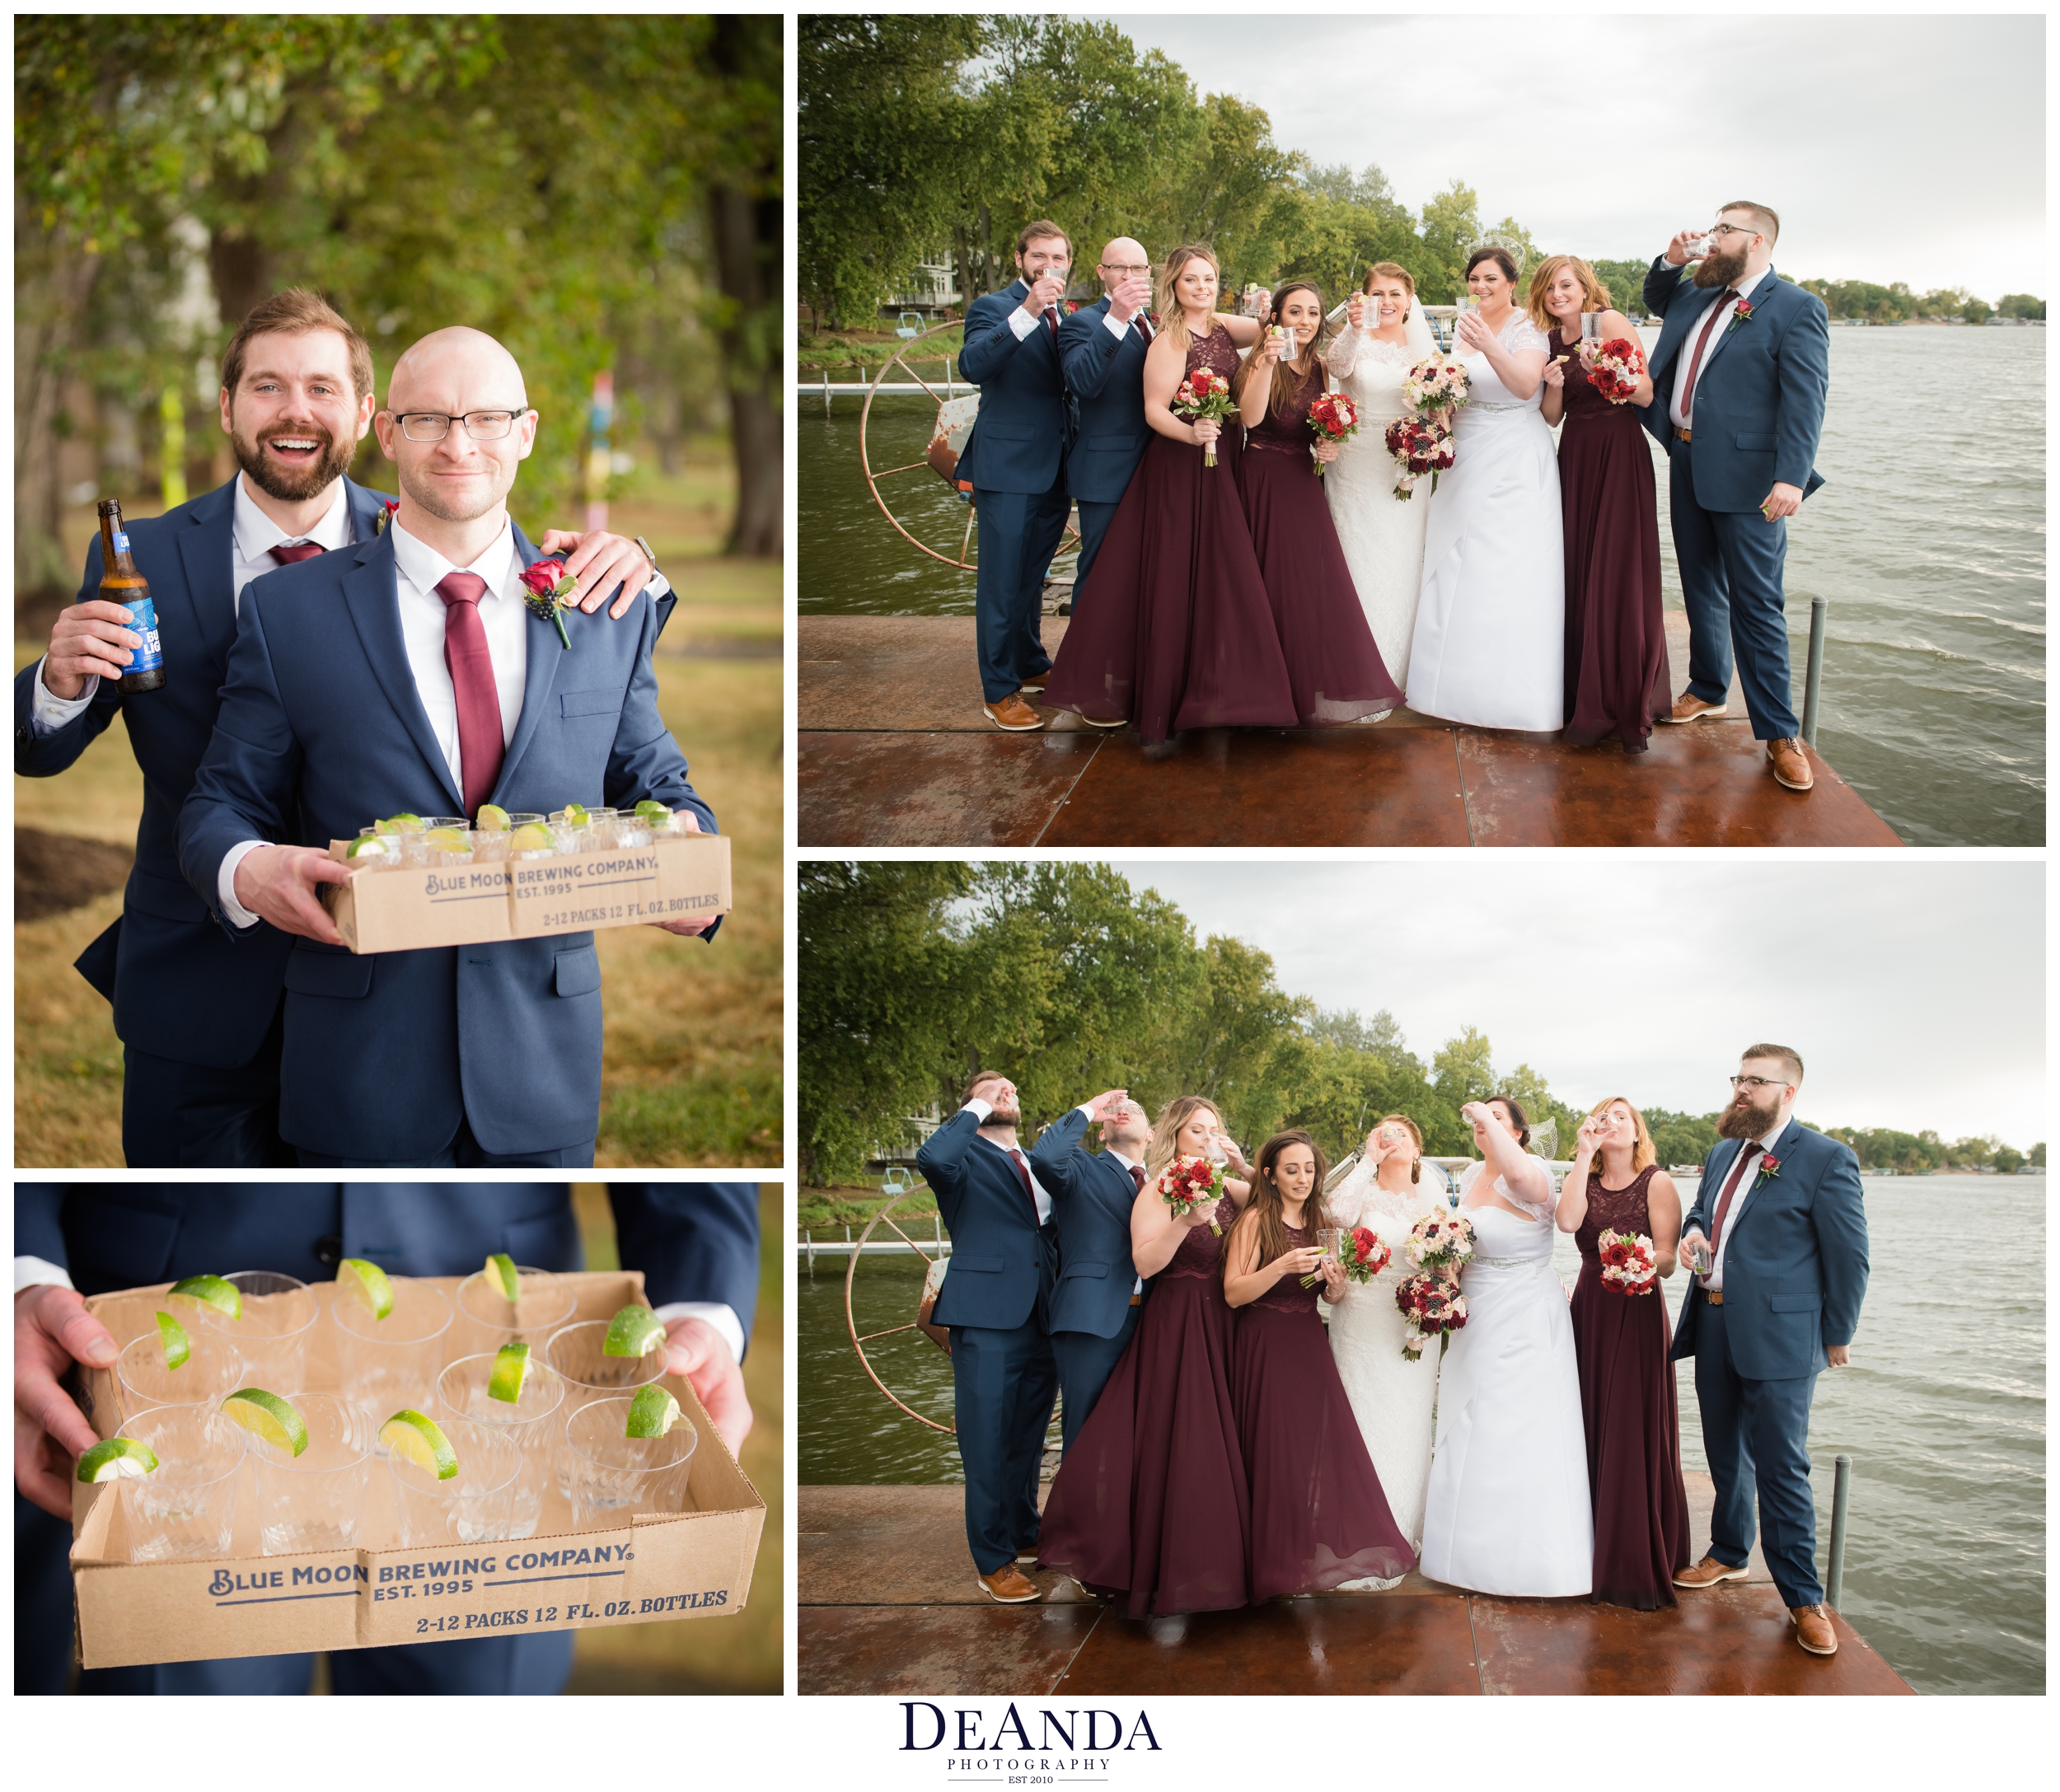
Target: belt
point(1714, 1296)
point(1137, 1300)
point(1684, 435)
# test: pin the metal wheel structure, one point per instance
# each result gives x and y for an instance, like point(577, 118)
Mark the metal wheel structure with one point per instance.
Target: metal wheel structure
point(954, 423)
point(851, 1325)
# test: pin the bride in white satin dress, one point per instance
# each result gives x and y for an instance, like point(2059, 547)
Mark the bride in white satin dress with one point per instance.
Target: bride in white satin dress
point(1387, 1191)
point(1385, 335)
point(1491, 620)
point(1507, 1509)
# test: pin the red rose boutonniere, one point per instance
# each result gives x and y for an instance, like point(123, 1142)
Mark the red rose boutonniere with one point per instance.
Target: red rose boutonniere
point(1769, 1168)
point(546, 586)
point(379, 522)
point(1741, 313)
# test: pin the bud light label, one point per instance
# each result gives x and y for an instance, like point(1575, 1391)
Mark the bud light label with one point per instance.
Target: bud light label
point(121, 542)
point(144, 621)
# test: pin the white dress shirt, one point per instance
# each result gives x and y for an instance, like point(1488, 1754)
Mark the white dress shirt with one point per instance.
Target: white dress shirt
point(1129, 1164)
point(253, 537)
point(1746, 288)
point(980, 1109)
point(418, 570)
point(1022, 323)
point(1747, 1184)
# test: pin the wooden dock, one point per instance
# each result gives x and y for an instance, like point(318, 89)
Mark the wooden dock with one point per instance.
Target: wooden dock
point(893, 751)
point(889, 1604)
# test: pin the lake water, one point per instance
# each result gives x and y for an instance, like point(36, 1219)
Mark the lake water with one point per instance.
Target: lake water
point(1928, 539)
point(1943, 1412)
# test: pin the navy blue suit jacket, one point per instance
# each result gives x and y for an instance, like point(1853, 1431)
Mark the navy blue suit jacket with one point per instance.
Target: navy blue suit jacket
point(1019, 436)
point(1760, 405)
point(1000, 1275)
point(1105, 381)
point(694, 1241)
point(321, 730)
point(1091, 1197)
point(1795, 1267)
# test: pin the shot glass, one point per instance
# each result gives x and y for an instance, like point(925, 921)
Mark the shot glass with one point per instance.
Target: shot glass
point(386, 1364)
point(184, 1509)
point(314, 1500)
point(278, 1318)
point(632, 830)
point(575, 1353)
point(602, 825)
point(489, 845)
point(214, 1370)
point(570, 835)
point(614, 1477)
point(531, 1423)
point(473, 1506)
point(447, 839)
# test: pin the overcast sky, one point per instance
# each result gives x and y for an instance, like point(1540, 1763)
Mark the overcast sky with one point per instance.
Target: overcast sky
point(1893, 147)
point(1914, 992)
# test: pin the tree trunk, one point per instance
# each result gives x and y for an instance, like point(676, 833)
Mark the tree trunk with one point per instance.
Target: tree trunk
point(53, 280)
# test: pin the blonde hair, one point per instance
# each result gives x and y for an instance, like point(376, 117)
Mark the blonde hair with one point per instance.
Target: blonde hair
point(1594, 295)
point(1415, 1132)
point(1389, 270)
point(1172, 1117)
point(1172, 321)
point(1643, 1154)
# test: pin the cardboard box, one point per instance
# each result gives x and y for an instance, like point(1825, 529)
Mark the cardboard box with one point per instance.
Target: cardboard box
point(405, 908)
point(696, 1563)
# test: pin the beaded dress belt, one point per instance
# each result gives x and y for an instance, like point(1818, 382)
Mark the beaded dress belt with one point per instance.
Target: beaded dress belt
point(1500, 1263)
point(1481, 404)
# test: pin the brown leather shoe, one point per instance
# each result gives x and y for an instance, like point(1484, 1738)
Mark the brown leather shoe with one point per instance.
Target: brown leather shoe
point(1037, 683)
point(1791, 764)
point(1689, 708)
point(1814, 1629)
point(1006, 1585)
point(1012, 713)
point(1708, 1572)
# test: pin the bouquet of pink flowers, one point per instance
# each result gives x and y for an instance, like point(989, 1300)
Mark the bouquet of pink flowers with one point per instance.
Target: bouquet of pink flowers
point(1360, 1254)
point(1437, 381)
point(1627, 1262)
point(1441, 1240)
point(1204, 393)
point(1432, 1305)
point(1334, 418)
point(1420, 448)
point(1187, 1183)
point(1614, 367)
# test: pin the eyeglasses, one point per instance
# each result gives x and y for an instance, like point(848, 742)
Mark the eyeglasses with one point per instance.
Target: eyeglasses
point(1129, 269)
point(1724, 229)
point(1758, 1083)
point(480, 425)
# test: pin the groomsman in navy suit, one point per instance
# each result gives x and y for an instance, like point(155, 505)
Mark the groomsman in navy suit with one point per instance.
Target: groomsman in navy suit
point(1778, 1236)
point(1741, 368)
point(407, 673)
point(1101, 347)
point(199, 1019)
point(995, 1304)
point(1014, 464)
point(1095, 1307)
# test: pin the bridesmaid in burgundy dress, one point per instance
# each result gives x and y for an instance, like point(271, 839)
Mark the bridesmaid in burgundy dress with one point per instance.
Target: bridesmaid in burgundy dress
point(1149, 1507)
point(1627, 1400)
point(1617, 679)
point(1178, 633)
point(1332, 664)
point(1318, 1515)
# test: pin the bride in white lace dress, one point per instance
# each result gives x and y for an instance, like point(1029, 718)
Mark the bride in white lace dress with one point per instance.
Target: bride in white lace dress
point(1387, 1190)
point(1384, 336)
point(1491, 620)
point(1507, 1509)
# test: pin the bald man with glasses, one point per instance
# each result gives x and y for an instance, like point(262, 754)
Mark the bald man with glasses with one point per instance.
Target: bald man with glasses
point(1101, 351)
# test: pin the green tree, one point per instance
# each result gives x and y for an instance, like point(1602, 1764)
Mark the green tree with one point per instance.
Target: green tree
point(2009, 1160)
point(2021, 305)
point(1463, 1068)
point(1451, 228)
point(1977, 311)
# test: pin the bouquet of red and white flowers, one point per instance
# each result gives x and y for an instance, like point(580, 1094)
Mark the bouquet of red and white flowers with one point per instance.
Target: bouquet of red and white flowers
point(1614, 367)
point(1187, 1183)
point(1420, 448)
point(1432, 1304)
point(1437, 381)
point(1334, 418)
point(1362, 1254)
point(1627, 1262)
point(1204, 394)
point(1441, 1240)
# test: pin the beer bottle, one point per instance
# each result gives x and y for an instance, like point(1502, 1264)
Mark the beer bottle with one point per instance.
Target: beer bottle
point(121, 583)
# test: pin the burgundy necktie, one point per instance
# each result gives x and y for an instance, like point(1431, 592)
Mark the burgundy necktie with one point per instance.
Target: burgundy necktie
point(1702, 342)
point(480, 743)
point(292, 552)
point(1137, 1179)
point(1145, 326)
point(1051, 318)
point(1023, 1173)
point(1730, 1188)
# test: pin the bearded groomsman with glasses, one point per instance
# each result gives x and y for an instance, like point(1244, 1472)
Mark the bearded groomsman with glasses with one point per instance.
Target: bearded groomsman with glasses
point(1102, 347)
point(1777, 1238)
point(1744, 364)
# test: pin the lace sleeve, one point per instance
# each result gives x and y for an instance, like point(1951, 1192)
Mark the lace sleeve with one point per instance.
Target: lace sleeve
point(1346, 1203)
point(1524, 335)
point(1341, 356)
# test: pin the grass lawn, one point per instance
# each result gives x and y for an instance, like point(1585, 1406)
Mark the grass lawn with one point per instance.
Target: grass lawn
point(858, 353)
point(830, 1210)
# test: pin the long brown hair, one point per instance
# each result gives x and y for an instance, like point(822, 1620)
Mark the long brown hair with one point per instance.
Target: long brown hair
point(1594, 295)
point(1172, 321)
point(1172, 1117)
point(1643, 1151)
point(1415, 1132)
point(1287, 384)
point(1267, 1211)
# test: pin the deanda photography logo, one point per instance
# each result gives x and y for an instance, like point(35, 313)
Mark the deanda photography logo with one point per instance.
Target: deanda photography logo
point(1018, 1745)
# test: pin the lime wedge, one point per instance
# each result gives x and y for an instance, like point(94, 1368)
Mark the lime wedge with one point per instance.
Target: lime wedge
point(226, 1298)
point(366, 1283)
point(117, 1459)
point(493, 819)
point(634, 1331)
point(368, 846)
point(511, 1364)
point(178, 1346)
point(449, 840)
point(267, 1416)
point(500, 1274)
point(575, 814)
point(403, 823)
point(416, 1439)
point(652, 1413)
point(651, 810)
point(532, 837)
